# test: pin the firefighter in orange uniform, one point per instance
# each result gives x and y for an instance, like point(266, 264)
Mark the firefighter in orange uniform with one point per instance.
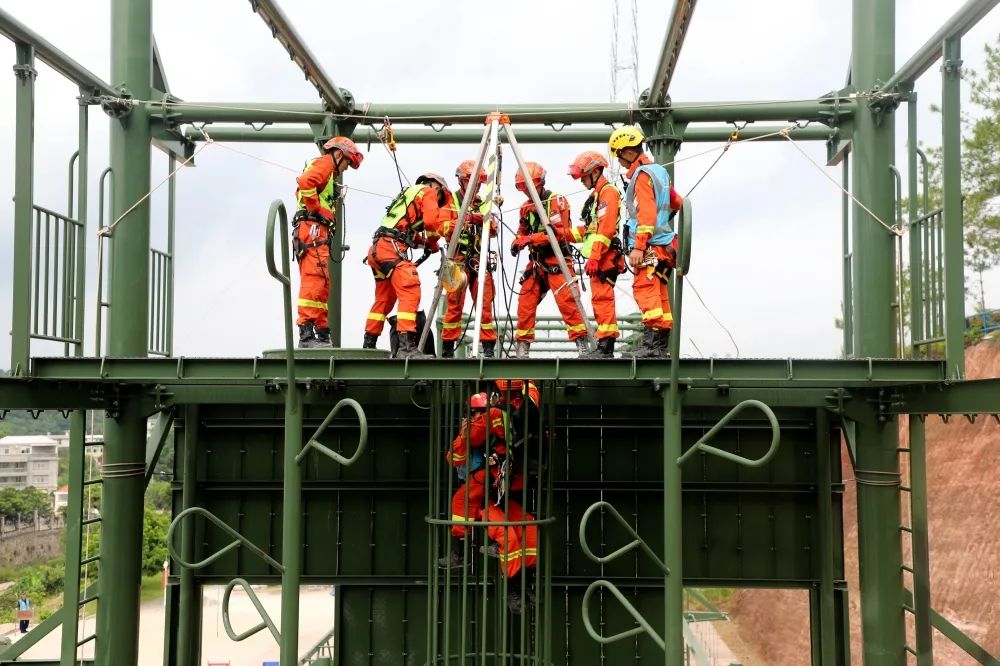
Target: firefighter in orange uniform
point(601, 246)
point(650, 200)
point(542, 273)
point(484, 443)
point(313, 227)
point(412, 221)
point(469, 254)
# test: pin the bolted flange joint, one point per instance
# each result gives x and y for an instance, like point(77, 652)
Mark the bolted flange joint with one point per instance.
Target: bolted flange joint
point(25, 72)
point(120, 106)
point(653, 109)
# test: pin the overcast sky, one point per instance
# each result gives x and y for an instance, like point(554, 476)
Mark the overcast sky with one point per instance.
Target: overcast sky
point(766, 254)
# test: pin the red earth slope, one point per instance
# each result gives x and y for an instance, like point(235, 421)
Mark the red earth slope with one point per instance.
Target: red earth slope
point(770, 627)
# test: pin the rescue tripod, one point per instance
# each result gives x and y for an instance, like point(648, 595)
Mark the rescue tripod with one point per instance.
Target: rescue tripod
point(490, 145)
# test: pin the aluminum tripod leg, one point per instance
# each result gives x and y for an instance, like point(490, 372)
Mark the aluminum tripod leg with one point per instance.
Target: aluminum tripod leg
point(457, 233)
point(553, 241)
point(484, 245)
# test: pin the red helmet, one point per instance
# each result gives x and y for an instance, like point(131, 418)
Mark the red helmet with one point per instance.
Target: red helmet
point(347, 148)
point(512, 384)
point(478, 401)
point(586, 162)
point(537, 177)
point(464, 170)
point(432, 178)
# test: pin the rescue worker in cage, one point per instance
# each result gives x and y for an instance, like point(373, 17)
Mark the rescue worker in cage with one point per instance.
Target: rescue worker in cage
point(469, 255)
point(542, 273)
point(313, 228)
point(412, 220)
point(484, 443)
point(601, 246)
point(650, 239)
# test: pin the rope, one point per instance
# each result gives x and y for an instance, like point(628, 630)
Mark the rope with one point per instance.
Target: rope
point(712, 315)
point(106, 231)
point(898, 231)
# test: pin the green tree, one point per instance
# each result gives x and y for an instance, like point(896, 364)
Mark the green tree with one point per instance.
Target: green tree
point(154, 540)
point(158, 495)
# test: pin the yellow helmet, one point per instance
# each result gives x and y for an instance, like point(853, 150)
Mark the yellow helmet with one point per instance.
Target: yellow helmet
point(626, 136)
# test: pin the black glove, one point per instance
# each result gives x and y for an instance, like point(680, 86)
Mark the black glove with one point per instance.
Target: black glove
point(514, 250)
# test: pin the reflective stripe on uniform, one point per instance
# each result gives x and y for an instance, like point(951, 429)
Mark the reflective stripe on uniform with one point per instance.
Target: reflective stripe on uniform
point(407, 316)
point(311, 192)
point(517, 554)
point(607, 328)
point(485, 326)
point(576, 327)
point(668, 317)
point(306, 303)
point(601, 238)
point(524, 331)
point(575, 233)
point(451, 324)
point(376, 316)
point(655, 313)
point(462, 519)
point(645, 229)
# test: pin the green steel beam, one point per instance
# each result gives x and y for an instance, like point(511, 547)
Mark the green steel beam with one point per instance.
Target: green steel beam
point(826, 110)
point(960, 23)
point(188, 644)
point(958, 637)
point(83, 189)
point(24, 160)
point(920, 552)
point(74, 537)
point(879, 544)
point(954, 242)
point(128, 323)
point(670, 52)
point(283, 31)
point(53, 57)
point(367, 135)
point(981, 396)
point(913, 202)
point(157, 439)
point(693, 372)
point(825, 456)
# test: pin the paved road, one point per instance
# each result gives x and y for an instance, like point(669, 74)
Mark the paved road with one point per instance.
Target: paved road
point(316, 615)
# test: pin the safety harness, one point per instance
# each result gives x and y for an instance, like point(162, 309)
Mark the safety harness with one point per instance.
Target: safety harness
point(402, 207)
point(588, 215)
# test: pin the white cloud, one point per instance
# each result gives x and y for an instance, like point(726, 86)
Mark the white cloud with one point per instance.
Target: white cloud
point(767, 247)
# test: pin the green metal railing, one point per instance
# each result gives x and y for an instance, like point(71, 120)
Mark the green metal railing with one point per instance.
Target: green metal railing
point(55, 284)
point(160, 317)
point(928, 309)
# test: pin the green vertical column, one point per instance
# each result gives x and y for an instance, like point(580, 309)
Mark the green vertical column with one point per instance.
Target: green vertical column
point(826, 632)
point(171, 235)
point(913, 203)
point(128, 323)
point(291, 527)
point(80, 281)
point(951, 169)
point(24, 164)
point(873, 150)
point(336, 272)
point(880, 555)
point(848, 297)
point(921, 549)
point(189, 620)
point(877, 465)
point(673, 635)
point(74, 543)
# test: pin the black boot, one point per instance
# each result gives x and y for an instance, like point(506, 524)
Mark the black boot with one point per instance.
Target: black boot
point(307, 335)
point(605, 349)
point(489, 348)
point(322, 337)
point(447, 349)
point(408, 347)
point(370, 340)
point(663, 341)
point(456, 558)
point(650, 345)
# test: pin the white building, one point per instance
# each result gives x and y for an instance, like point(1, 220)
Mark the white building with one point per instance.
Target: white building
point(60, 498)
point(29, 460)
